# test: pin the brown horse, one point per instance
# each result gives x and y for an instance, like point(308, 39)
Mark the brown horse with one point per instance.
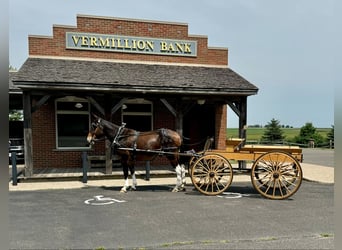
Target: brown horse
point(132, 145)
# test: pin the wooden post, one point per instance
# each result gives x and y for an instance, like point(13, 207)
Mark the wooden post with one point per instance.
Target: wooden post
point(84, 167)
point(109, 165)
point(243, 125)
point(179, 122)
point(147, 170)
point(108, 145)
point(14, 168)
point(243, 118)
point(28, 170)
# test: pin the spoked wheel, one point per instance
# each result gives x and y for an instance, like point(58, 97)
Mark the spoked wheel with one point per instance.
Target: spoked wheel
point(276, 175)
point(211, 174)
point(191, 163)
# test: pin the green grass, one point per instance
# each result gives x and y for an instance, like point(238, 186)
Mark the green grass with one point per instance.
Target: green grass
point(255, 134)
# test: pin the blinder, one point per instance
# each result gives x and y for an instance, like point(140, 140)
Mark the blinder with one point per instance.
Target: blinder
point(97, 124)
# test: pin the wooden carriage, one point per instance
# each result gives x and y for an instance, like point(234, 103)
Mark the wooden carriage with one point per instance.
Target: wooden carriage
point(275, 170)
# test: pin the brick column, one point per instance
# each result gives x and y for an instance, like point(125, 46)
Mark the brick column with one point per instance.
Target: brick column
point(220, 126)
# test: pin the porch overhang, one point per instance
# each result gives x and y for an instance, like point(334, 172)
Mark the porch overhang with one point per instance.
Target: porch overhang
point(42, 74)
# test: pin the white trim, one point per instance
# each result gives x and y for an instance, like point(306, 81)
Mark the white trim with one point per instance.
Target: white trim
point(218, 48)
point(131, 20)
point(40, 36)
point(64, 26)
point(129, 61)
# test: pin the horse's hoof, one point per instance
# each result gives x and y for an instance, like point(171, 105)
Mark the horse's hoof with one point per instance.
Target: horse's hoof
point(178, 189)
point(123, 190)
point(133, 189)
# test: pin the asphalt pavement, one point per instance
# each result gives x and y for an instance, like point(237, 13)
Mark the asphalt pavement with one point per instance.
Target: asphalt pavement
point(95, 215)
point(155, 218)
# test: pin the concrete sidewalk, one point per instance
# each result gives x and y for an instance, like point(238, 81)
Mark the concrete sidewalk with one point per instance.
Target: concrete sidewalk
point(311, 172)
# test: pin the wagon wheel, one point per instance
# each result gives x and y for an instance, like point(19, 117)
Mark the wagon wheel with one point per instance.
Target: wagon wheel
point(276, 175)
point(191, 163)
point(211, 174)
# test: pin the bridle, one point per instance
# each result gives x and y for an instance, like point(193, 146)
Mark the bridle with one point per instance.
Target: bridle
point(99, 124)
point(94, 126)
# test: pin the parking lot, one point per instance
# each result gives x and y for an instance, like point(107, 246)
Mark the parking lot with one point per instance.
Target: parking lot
point(155, 218)
point(90, 217)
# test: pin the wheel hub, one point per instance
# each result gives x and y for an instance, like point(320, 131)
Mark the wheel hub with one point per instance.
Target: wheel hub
point(276, 175)
point(211, 174)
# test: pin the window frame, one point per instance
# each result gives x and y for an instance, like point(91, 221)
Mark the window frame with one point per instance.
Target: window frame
point(78, 112)
point(137, 113)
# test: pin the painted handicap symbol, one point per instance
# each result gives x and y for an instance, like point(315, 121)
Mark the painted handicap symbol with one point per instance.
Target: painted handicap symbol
point(101, 200)
point(230, 195)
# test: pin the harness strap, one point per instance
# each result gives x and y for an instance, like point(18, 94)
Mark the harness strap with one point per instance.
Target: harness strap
point(115, 141)
point(163, 138)
point(135, 144)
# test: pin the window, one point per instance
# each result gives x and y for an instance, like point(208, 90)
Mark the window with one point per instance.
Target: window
point(72, 122)
point(137, 114)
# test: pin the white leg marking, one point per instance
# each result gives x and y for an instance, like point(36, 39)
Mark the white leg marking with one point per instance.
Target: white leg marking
point(134, 182)
point(178, 186)
point(183, 175)
point(124, 188)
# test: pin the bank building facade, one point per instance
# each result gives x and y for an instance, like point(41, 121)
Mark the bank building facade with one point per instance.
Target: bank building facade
point(148, 74)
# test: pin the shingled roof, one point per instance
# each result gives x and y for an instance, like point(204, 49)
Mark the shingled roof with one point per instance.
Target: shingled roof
point(11, 88)
point(65, 74)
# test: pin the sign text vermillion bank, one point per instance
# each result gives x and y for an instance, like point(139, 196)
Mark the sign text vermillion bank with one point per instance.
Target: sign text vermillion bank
point(142, 45)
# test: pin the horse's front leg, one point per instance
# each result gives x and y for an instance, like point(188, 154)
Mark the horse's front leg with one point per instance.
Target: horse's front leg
point(134, 179)
point(125, 172)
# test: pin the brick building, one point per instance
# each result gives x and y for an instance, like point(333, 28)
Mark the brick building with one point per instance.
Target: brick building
point(148, 74)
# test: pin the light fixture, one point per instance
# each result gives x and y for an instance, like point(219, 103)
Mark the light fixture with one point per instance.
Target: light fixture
point(200, 101)
point(78, 105)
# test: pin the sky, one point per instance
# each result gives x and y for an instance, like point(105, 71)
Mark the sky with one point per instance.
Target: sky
point(285, 48)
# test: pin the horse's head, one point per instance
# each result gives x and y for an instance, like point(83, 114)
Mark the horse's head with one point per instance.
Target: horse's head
point(97, 131)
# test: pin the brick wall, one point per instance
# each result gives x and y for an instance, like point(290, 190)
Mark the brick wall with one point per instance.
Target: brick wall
point(55, 45)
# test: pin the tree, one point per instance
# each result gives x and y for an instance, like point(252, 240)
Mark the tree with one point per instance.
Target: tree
point(11, 68)
point(331, 136)
point(15, 115)
point(273, 132)
point(308, 134)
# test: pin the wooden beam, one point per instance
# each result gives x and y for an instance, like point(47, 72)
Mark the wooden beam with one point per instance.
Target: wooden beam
point(169, 106)
point(96, 105)
point(40, 103)
point(118, 105)
point(234, 108)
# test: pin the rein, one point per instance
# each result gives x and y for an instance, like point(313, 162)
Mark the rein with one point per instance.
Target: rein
point(119, 136)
